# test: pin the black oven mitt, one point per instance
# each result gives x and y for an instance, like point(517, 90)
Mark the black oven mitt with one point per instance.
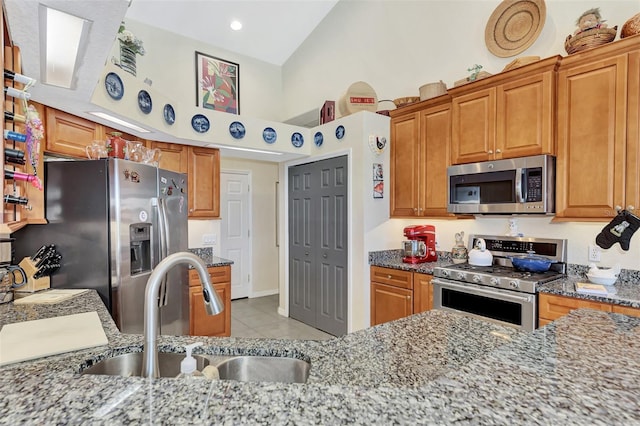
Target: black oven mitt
point(619, 230)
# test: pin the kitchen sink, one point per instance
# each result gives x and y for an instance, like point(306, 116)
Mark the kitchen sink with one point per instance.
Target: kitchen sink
point(240, 368)
point(264, 369)
point(131, 364)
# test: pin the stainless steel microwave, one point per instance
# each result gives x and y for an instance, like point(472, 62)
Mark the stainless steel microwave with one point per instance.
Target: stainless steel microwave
point(515, 186)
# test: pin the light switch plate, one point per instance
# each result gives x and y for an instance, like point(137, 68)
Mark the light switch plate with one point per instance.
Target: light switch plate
point(209, 239)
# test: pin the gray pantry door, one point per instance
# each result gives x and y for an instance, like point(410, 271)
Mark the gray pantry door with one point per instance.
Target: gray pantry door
point(318, 237)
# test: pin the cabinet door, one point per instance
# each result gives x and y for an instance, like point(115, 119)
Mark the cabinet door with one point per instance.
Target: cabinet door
point(473, 121)
point(553, 307)
point(422, 292)
point(525, 116)
point(389, 303)
point(204, 183)
point(435, 155)
point(590, 170)
point(69, 135)
point(405, 166)
point(632, 186)
point(174, 156)
point(202, 324)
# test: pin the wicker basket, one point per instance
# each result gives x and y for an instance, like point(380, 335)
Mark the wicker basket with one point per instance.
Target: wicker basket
point(631, 27)
point(589, 39)
point(400, 102)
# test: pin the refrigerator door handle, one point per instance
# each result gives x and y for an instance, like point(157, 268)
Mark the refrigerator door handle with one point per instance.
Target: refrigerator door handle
point(164, 247)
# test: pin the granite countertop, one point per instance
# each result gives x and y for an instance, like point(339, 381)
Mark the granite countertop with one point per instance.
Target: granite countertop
point(393, 259)
point(206, 254)
point(625, 291)
point(435, 367)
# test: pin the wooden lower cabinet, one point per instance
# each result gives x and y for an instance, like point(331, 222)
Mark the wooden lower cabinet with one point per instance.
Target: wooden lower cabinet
point(552, 307)
point(200, 323)
point(397, 294)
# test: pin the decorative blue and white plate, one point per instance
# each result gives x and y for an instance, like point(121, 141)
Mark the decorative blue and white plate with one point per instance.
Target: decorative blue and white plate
point(297, 140)
point(340, 132)
point(169, 114)
point(200, 123)
point(318, 139)
point(237, 130)
point(114, 86)
point(144, 101)
point(269, 135)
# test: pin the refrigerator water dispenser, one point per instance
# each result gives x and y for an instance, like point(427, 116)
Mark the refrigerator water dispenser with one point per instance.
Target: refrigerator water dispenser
point(140, 243)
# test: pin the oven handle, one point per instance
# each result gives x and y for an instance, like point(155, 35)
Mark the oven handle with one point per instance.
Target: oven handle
point(496, 294)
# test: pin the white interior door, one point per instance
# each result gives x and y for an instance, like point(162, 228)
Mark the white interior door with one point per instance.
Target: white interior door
point(235, 235)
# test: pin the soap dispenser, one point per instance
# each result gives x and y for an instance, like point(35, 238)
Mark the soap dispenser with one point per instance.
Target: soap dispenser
point(188, 364)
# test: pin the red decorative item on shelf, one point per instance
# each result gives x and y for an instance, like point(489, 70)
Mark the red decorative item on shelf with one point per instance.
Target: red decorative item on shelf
point(116, 145)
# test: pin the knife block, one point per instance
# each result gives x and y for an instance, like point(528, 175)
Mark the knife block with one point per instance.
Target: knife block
point(32, 284)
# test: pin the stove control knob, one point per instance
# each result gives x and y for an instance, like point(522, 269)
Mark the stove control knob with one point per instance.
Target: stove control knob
point(514, 284)
point(494, 281)
point(461, 276)
point(446, 273)
point(477, 278)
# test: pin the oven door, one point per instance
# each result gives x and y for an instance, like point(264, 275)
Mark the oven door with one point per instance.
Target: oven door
point(504, 307)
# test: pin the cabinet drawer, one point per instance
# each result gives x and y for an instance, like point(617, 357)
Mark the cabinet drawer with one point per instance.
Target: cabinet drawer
point(394, 277)
point(218, 274)
point(626, 310)
point(553, 307)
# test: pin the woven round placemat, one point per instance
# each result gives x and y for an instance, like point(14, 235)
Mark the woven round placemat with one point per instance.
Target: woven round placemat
point(514, 26)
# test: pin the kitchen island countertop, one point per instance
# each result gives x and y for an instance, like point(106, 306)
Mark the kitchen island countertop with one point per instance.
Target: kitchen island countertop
point(435, 367)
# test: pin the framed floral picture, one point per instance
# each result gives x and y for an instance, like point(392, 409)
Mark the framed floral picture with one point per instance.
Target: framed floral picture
point(217, 84)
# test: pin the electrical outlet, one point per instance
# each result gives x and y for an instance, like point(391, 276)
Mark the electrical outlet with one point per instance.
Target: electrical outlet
point(208, 239)
point(594, 253)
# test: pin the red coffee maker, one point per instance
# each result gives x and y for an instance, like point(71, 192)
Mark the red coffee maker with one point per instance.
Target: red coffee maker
point(421, 246)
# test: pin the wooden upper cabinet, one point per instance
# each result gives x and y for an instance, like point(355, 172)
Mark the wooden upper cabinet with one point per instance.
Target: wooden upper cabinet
point(420, 153)
point(593, 162)
point(204, 183)
point(174, 156)
point(505, 116)
point(526, 116)
point(473, 126)
point(69, 135)
point(405, 165)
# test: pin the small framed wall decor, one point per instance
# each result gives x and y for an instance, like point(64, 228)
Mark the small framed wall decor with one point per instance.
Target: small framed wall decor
point(378, 180)
point(217, 84)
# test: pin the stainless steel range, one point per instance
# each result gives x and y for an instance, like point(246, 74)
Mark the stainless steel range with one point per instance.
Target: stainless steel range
point(499, 292)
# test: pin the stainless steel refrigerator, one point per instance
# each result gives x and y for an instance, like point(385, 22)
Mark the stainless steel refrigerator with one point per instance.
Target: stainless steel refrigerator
point(112, 221)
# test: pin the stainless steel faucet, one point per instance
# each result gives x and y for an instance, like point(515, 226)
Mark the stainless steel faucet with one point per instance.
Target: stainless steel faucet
point(212, 303)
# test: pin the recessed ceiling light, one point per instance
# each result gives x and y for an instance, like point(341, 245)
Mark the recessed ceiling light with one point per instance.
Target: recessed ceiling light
point(236, 25)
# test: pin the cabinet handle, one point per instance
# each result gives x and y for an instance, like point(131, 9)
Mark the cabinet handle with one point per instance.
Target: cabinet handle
point(490, 151)
point(415, 209)
point(306, 253)
point(631, 208)
point(618, 208)
point(324, 255)
point(408, 297)
point(498, 151)
point(388, 277)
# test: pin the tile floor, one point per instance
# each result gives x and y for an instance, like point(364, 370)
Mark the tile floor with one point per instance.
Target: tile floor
point(258, 317)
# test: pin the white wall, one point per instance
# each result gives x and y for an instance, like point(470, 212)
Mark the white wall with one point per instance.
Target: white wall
point(169, 63)
point(398, 45)
point(367, 213)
